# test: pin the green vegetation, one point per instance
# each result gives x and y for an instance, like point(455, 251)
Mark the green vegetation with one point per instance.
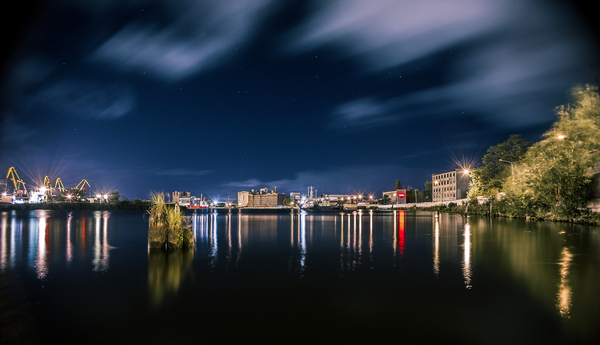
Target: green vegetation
point(550, 179)
point(167, 226)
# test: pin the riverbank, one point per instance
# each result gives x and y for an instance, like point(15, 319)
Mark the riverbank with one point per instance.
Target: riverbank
point(121, 205)
point(585, 216)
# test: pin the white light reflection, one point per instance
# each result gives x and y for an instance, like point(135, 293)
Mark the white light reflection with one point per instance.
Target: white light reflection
point(41, 263)
point(436, 248)
point(371, 236)
point(302, 243)
point(213, 238)
point(563, 297)
point(69, 244)
point(467, 256)
point(101, 246)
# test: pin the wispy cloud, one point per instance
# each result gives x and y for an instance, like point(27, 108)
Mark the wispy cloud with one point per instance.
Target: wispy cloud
point(202, 35)
point(364, 113)
point(345, 180)
point(87, 99)
point(513, 55)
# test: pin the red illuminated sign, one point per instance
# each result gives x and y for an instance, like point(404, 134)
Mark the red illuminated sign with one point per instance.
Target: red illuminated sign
point(401, 195)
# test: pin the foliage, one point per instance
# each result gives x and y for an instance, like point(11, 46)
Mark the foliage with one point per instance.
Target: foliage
point(398, 184)
point(488, 178)
point(287, 202)
point(553, 180)
point(427, 194)
point(115, 196)
point(386, 200)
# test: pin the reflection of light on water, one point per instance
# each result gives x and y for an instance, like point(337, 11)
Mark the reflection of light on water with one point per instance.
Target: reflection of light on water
point(302, 243)
point(467, 256)
point(166, 271)
point(563, 297)
point(436, 248)
point(41, 264)
point(3, 243)
point(401, 232)
point(69, 244)
point(371, 235)
point(101, 247)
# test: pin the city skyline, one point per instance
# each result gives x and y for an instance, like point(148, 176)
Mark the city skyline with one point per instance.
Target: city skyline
point(218, 97)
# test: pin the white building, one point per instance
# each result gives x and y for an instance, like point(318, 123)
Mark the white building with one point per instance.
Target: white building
point(450, 185)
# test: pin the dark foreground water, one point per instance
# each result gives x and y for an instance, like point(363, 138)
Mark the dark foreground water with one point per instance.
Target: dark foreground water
point(402, 277)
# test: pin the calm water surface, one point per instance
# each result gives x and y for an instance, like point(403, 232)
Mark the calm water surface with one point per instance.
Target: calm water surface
point(402, 277)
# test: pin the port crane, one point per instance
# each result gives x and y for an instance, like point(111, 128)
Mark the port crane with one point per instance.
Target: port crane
point(80, 187)
point(59, 185)
point(12, 173)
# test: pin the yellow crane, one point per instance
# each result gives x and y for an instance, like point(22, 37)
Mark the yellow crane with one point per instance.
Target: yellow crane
point(12, 173)
point(59, 185)
point(80, 186)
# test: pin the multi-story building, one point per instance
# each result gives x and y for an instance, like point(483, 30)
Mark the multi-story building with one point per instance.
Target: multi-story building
point(451, 185)
point(262, 198)
point(178, 195)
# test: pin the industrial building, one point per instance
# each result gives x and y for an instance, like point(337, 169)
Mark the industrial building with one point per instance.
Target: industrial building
point(261, 198)
point(451, 185)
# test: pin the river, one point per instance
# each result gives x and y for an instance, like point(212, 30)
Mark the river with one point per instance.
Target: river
point(368, 277)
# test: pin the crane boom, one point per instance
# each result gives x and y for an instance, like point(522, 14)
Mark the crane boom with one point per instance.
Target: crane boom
point(82, 184)
point(59, 185)
point(12, 173)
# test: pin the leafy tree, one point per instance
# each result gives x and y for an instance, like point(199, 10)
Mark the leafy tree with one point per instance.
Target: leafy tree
point(398, 184)
point(488, 178)
point(428, 193)
point(287, 202)
point(114, 196)
point(555, 175)
point(386, 200)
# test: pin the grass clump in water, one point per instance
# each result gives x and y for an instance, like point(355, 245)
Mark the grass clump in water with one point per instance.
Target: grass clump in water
point(167, 226)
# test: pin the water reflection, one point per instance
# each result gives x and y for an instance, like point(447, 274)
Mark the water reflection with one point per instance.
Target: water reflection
point(563, 297)
point(101, 246)
point(42, 254)
point(436, 247)
point(167, 269)
point(466, 263)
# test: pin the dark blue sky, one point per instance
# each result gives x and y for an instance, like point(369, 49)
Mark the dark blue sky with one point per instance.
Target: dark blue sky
point(214, 97)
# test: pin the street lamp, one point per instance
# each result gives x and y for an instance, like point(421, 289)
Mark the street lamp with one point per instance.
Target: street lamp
point(512, 169)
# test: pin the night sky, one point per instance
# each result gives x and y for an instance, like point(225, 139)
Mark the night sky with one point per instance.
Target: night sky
point(215, 97)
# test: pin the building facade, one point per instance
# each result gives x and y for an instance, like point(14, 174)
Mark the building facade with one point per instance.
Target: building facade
point(261, 198)
point(397, 196)
point(451, 185)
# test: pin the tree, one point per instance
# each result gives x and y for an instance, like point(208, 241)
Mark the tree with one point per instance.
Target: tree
point(488, 179)
point(555, 175)
point(287, 202)
point(398, 185)
point(114, 196)
point(386, 200)
point(428, 193)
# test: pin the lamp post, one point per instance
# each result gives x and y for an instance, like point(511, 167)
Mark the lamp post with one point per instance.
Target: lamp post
point(512, 169)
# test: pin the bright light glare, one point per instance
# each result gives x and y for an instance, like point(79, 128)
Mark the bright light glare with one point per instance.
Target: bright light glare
point(561, 137)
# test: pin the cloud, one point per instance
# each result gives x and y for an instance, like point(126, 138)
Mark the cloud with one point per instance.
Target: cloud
point(204, 33)
point(363, 179)
point(363, 113)
point(386, 33)
point(93, 100)
point(512, 56)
